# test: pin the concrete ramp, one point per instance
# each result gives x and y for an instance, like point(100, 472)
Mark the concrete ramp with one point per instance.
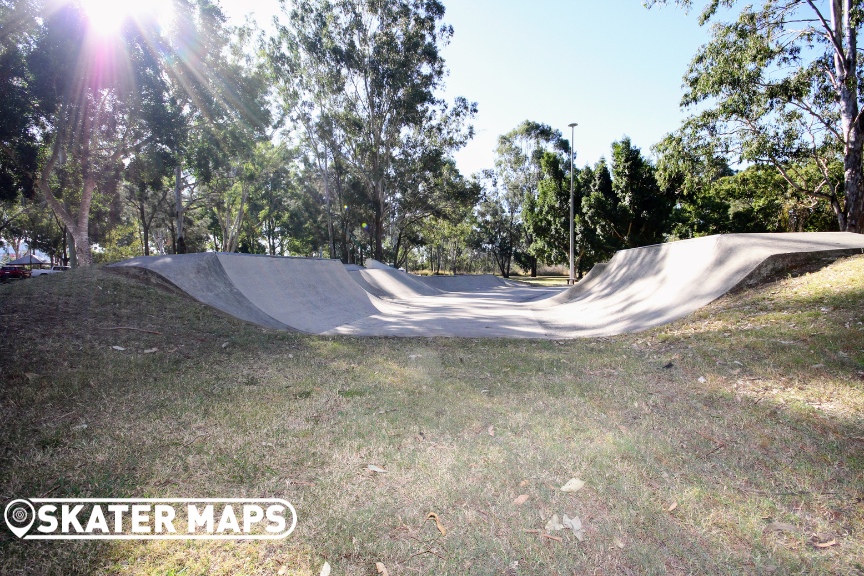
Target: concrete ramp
point(636, 290)
point(309, 294)
point(392, 284)
point(304, 294)
point(645, 287)
point(464, 282)
point(202, 277)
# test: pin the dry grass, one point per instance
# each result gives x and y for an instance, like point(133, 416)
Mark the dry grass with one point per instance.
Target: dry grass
point(543, 280)
point(746, 413)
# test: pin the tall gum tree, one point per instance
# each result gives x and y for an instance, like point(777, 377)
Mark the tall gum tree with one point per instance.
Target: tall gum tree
point(94, 100)
point(781, 85)
point(372, 70)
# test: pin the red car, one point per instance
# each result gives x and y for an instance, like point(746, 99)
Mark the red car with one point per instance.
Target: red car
point(13, 273)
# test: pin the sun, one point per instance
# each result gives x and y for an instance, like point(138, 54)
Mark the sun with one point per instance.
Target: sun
point(107, 17)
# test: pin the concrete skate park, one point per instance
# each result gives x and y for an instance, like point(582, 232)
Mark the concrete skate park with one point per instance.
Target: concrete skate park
point(637, 289)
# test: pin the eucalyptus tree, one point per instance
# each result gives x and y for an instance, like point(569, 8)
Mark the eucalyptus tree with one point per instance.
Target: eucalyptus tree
point(518, 166)
point(222, 87)
point(780, 85)
point(94, 100)
point(147, 189)
point(368, 70)
point(546, 215)
point(19, 114)
point(498, 223)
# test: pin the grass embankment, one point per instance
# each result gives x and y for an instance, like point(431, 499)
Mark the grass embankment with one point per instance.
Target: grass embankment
point(730, 442)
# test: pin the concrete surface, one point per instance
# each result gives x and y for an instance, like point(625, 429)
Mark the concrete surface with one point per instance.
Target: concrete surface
point(636, 290)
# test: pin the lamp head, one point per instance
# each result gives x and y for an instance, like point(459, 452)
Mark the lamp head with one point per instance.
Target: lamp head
point(572, 125)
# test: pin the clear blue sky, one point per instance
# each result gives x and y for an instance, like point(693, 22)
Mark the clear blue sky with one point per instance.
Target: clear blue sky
point(612, 66)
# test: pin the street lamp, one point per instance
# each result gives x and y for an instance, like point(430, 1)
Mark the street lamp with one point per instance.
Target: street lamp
point(572, 279)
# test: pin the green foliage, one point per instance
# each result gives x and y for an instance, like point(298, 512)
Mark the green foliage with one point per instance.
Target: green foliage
point(625, 207)
point(358, 80)
point(781, 86)
point(519, 170)
point(547, 215)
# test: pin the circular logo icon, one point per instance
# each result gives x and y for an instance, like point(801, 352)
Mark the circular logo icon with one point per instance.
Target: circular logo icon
point(20, 515)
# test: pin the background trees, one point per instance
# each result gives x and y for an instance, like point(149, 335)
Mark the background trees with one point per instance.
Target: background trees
point(360, 78)
point(330, 138)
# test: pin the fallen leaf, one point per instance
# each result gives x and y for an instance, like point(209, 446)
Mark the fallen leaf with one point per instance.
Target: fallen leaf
point(378, 469)
point(672, 507)
point(491, 430)
point(702, 379)
point(31, 376)
point(575, 524)
point(523, 483)
point(224, 344)
point(554, 524)
point(325, 570)
point(780, 527)
point(120, 348)
point(619, 543)
point(828, 544)
point(414, 356)
point(151, 350)
point(573, 485)
point(440, 526)
point(381, 569)
point(521, 499)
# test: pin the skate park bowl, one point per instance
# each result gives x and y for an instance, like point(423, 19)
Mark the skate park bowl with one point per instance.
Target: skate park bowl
point(637, 289)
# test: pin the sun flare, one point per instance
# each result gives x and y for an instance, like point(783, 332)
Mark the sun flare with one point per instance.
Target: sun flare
point(107, 17)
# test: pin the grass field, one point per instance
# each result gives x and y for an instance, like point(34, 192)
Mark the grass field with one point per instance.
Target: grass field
point(729, 442)
point(543, 280)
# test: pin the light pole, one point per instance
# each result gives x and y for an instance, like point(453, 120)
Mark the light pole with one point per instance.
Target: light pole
point(572, 279)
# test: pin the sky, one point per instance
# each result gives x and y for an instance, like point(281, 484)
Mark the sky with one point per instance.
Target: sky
point(612, 66)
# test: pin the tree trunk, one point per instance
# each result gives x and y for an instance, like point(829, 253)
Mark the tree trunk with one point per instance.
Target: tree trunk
point(234, 232)
point(64, 260)
point(145, 229)
point(396, 251)
point(180, 242)
point(845, 67)
point(73, 258)
point(378, 225)
point(326, 180)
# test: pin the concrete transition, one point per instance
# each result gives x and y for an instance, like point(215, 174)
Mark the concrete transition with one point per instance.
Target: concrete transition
point(636, 290)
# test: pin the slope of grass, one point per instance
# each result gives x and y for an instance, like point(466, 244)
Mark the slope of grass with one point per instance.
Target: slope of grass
point(695, 440)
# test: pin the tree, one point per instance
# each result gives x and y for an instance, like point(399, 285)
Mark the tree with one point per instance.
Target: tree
point(498, 229)
point(91, 101)
point(624, 207)
point(147, 188)
point(19, 144)
point(361, 76)
point(546, 216)
point(518, 166)
point(687, 169)
point(781, 85)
